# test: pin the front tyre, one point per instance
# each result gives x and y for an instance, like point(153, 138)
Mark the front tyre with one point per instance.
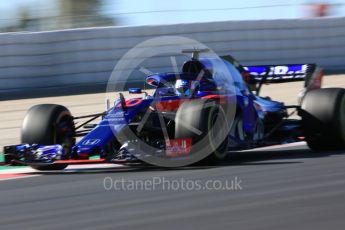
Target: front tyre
point(206, 123)
point(49, 124)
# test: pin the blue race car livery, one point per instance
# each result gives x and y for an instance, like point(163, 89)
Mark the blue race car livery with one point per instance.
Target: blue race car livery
point(215, 103)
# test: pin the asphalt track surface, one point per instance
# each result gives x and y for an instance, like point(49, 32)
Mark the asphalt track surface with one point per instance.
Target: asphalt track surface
point(282, 188)
point(291, 189)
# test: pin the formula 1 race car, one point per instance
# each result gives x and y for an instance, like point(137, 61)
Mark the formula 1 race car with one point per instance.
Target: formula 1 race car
point(196, 114)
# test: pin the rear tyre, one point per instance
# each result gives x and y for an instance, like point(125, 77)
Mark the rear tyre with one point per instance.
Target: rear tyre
point(209, 119)
point(323, 119)
point(49, 124)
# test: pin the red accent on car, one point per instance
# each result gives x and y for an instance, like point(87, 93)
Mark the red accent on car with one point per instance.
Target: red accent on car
point(178, 147)
point(97, 161)
point(318, 80)
point(246, 76)
point(133, 102)
point(301, 138)
point(150, 81)
point(221, 98)
point(170, 105)
point(84, 156)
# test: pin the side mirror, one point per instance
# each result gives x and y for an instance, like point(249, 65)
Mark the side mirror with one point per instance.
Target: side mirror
point(134, 91)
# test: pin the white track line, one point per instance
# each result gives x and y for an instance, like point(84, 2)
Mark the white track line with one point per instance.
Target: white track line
point(277, 147)
point(69, 168)
point(19, 177)
point(18, 170)
point(94, 166)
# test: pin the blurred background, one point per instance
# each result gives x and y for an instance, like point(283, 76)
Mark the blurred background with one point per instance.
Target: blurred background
point(74, 45)
point(42, 15)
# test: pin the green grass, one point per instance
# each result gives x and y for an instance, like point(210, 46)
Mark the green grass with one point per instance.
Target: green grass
point(11, 167)
point(8, 167)
point(2, 159)
point(94, 158)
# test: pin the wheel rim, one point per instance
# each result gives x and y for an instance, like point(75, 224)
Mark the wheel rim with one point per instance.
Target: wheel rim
point(237, 132)
point(219, 150)
point(259, 130)
point(63, 133)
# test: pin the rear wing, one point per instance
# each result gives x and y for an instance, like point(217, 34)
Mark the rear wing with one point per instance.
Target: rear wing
point(257, 75)
point(282, 73)
point(311, 74)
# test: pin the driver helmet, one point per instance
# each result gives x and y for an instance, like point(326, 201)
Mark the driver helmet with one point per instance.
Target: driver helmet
point(185, 87)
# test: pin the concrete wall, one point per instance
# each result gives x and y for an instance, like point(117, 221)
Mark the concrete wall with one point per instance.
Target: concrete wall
point(84, 56)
